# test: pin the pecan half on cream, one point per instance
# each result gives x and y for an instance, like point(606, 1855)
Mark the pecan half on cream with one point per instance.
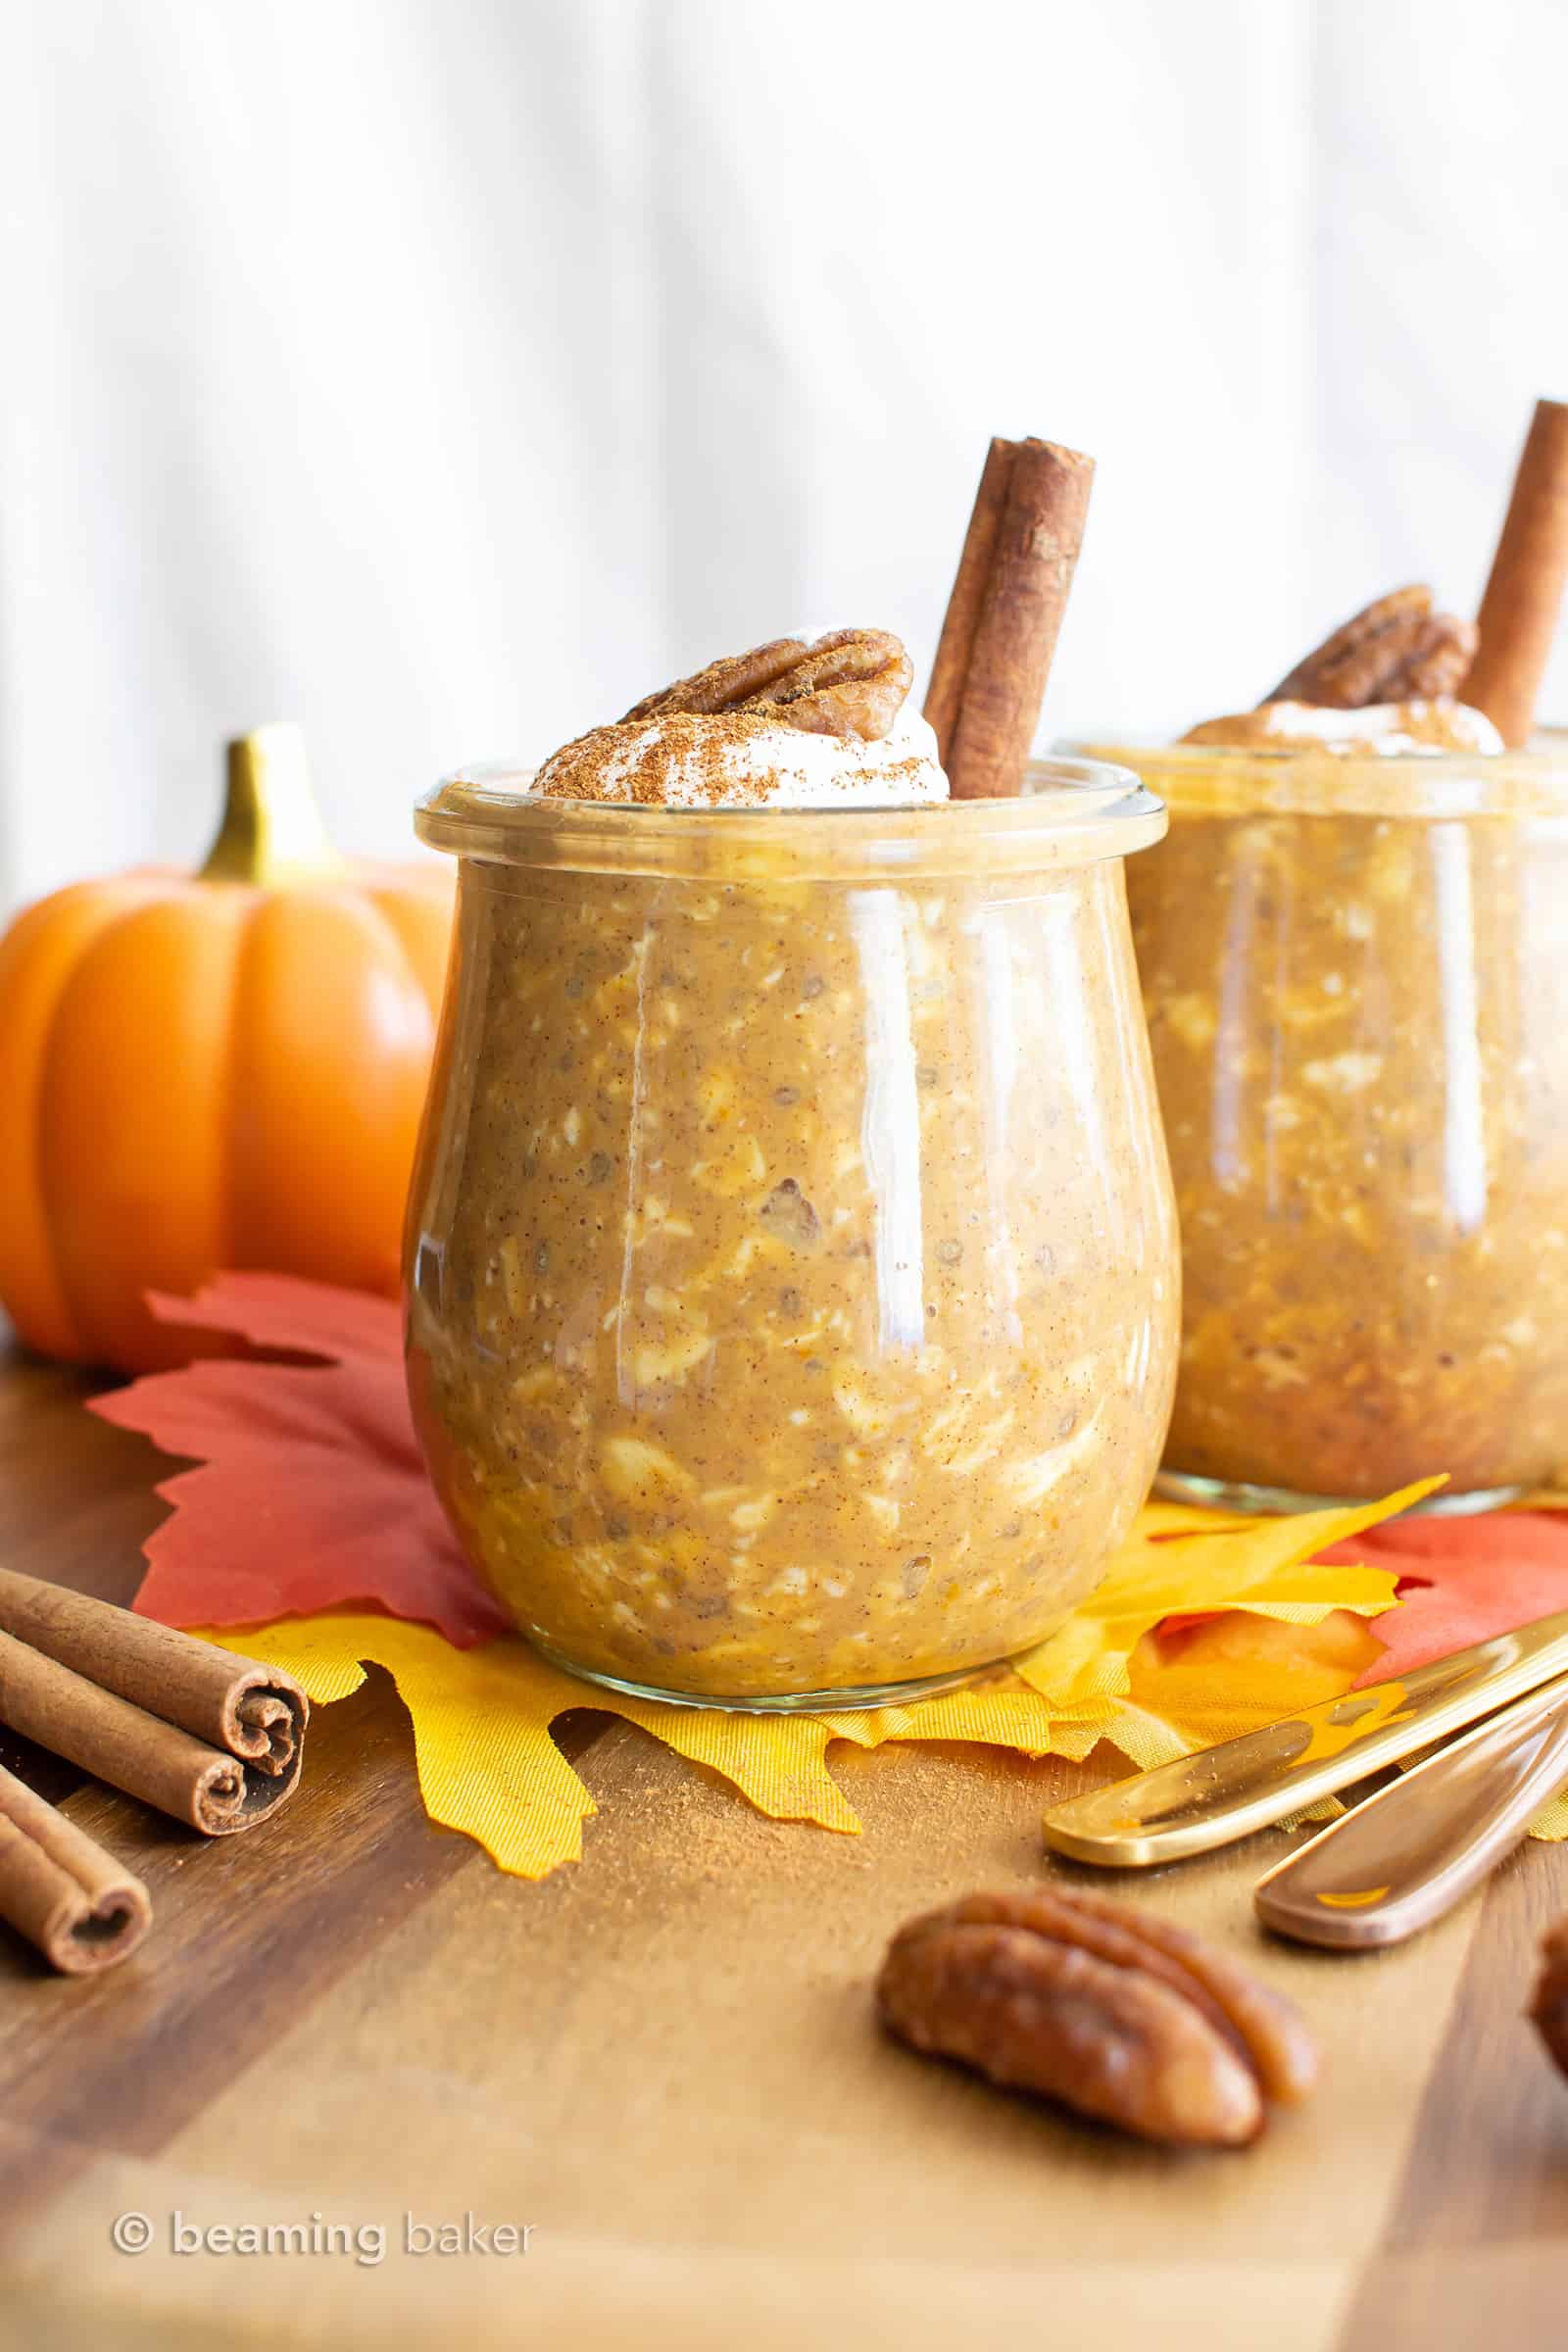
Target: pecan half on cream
point(851, 682)
point(1116, 2014)
point(1397, 651)
point(1550, 2008)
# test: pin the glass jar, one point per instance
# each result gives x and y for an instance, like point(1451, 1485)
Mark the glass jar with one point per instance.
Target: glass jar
point(792, 1270)
point(1355, 973)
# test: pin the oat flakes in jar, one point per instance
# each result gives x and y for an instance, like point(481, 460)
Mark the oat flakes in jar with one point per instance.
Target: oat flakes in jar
point(1355, 969)
point(792, 1271)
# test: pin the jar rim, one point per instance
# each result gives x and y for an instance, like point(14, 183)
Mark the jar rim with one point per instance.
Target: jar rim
point(1072, 811)
point(1280, 780)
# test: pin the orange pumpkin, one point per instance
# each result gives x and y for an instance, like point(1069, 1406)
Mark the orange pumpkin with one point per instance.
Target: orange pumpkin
point(211, 1070)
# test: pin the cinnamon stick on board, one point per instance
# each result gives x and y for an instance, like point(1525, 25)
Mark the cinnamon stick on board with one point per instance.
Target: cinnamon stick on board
point(255, 1711)
point(1523, 603)
point(60, 1889)
point(212, 1739)
point(206, 1786)
point(1005, 613)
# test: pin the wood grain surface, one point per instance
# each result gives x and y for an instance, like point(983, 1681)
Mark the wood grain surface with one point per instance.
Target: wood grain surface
point(662, 2063)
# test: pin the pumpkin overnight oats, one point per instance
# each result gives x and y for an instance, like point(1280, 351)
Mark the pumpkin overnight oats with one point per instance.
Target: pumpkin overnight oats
point(1357, 979)
point(1354, 949)
point(793, 1291)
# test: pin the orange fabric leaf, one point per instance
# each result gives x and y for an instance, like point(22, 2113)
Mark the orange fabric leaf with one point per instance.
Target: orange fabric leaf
point(1462, 1580)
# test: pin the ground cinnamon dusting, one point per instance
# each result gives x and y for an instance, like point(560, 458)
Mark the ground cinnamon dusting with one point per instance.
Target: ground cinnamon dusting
point(643, 761)
point(633, 763)
point(687, 746)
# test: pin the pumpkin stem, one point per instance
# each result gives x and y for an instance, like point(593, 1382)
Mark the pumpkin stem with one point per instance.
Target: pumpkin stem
point(271, 831)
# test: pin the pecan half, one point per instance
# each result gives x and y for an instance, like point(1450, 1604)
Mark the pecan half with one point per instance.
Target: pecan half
point(851, 682)
point(1115, 2014)
point(1397, 651)
point(1550, 2008)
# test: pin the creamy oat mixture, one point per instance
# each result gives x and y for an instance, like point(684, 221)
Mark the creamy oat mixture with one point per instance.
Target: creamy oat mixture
point(795, 1285)
point(1358, 1005)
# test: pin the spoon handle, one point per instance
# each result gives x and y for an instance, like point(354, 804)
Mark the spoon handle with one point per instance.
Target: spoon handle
point(1408, 1854)
point(1225, 1792)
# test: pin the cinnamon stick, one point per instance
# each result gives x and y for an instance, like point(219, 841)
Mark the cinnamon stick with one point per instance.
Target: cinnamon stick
point(1523, 602)
point(1005, 613)
point(214, 1791)
point(955, 645)
point(62, 1890)
point(254, 1711)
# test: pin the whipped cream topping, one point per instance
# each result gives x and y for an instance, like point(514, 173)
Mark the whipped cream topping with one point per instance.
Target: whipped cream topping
point(1372, 729)
point(744, 759)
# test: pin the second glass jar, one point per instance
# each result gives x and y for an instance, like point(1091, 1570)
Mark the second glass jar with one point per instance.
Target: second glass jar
point(1355, 973)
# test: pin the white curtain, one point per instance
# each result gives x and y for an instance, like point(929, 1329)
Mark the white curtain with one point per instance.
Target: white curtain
point(444, 374)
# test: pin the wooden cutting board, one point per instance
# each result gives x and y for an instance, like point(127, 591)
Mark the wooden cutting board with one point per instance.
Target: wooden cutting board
point(661, 2062)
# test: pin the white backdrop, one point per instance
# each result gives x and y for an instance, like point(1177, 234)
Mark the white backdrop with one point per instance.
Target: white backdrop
point(444, 374)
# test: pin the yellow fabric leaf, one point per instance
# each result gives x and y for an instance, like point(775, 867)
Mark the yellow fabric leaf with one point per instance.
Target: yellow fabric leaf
point(1287, 1639)
point(488, 1766)
point(1551, 1826)
point(1175, 1565)
point(481, 1719)
point(999, 1712)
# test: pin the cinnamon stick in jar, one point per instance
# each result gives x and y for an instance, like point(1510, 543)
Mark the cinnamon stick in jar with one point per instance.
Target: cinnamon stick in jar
point(254, 1711)
point(1523, 603)
point(1005, 613)
point(61, 1889)
point(961, 620)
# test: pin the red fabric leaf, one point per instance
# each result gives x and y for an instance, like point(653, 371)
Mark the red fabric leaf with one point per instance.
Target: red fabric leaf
point(313, 1492)
point(1462, 1580)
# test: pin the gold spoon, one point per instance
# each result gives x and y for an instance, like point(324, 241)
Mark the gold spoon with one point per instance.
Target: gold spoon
point(1244, 1785)
point(1408, 1854)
